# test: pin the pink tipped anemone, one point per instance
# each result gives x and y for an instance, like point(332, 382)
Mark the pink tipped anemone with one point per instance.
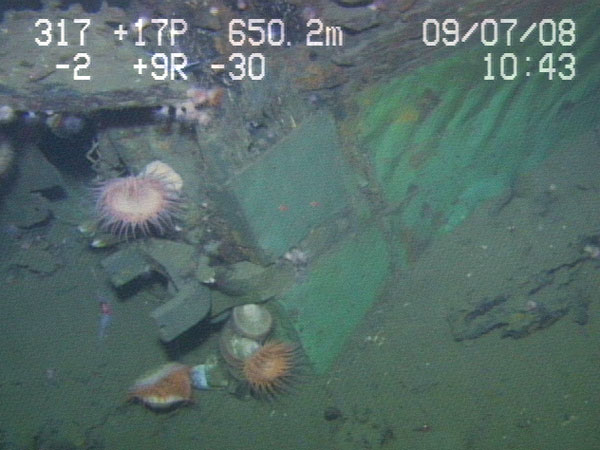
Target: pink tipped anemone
point(144, 204)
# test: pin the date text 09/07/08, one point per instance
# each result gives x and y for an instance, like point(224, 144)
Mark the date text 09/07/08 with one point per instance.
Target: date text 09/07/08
point(448, 32)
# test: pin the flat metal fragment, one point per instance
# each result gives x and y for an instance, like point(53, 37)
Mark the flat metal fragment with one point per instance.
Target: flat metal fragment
point(186, 309)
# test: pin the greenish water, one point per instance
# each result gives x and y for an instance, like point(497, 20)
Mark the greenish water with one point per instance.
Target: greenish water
point(452, 192)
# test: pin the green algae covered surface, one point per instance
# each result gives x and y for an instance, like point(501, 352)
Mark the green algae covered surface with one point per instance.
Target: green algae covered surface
point(442, 139)
point(340, 289)
point(387, 374)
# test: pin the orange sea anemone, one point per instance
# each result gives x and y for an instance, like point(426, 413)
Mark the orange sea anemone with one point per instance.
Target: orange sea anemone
point(143, 203)
point(271, 369)
point(164, 388)
point(205, 97)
